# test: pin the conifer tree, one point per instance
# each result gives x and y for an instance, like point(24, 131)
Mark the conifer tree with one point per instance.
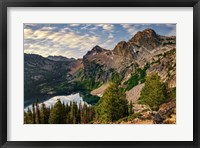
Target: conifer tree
point(131, 108)
point(84, 114)
point(33, 116)
point(58, 114)
point(154, 92)
point(74, 113)
point(67, 109)
point(37, 113)
point(69, 119)
point(81, 112)
point(44, 114)
point(25, 118)
point(113, 104)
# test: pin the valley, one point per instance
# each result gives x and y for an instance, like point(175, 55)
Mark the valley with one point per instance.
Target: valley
point(129, 65)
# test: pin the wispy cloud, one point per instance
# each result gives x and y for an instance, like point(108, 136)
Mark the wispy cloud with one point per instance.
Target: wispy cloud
point(172, 31)
point(74, 40)
point(107, 27)
point(61, 41)
point(130, 28)
point(74, 25)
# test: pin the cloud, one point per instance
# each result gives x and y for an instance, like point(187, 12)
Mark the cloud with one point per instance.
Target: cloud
point(29, 25)
point(74, 25)
point(74, 40)
point(48, 28)
point(46, 42)
point(65, 29)
point(86, 26)
point(110, 36)
point(130, 28)
point(172, 28)
point(106, 27)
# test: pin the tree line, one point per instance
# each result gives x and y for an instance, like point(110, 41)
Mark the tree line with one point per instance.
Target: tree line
point(111, 107)
point(60, 113)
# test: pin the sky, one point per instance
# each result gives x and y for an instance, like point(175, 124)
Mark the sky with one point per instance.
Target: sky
point(74, 40)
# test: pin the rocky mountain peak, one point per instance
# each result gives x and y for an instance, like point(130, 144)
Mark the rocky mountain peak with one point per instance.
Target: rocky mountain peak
point(97, 49)
point(122, 45)
point(146, 38)
point(123, 49)
point(150, 32)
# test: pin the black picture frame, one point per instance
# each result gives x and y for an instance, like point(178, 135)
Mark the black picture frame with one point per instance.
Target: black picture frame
point(4, 4)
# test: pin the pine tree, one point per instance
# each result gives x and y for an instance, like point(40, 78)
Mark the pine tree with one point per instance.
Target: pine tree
point(28, 117)
point(131, 108)
point(37, 113)
point(44, 114)
point(67, 109)
point(113, 104)
point(33, 116)
point(78, 115)
point(74, 114)
point(58, 114)
point(81, 112)
point(84, 114)
point(154, 92)
point(25, 118)
point(69, 119)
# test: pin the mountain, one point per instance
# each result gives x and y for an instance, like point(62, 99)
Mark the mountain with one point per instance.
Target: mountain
point(144, 53)
point(145, 47)
point(60, 58)
point(43, 76)
point(147, 39)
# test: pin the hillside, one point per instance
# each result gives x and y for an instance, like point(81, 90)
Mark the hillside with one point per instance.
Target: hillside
point(145, 53)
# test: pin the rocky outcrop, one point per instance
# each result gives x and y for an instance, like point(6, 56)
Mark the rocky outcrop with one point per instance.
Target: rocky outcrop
point(99, 91)
point(165, 111)
point(142, 48)
point(147, 39)
point(165, 65)
point(144, 115)
point(95, 64)
point(134, 94)
point(124, 49)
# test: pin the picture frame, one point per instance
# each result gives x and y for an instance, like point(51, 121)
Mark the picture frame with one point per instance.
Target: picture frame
point(4, 143)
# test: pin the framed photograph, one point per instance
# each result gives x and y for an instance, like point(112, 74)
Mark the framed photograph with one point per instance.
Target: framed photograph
point(105, 73)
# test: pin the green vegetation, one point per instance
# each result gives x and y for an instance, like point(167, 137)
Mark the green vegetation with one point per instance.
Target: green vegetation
point(28, 117)
point(137, 77)
point(60, 114)
point(130, 108)
point(90, 84)
point(44, 114)
point(57, 114)
point(113, 104)
point(154, 92)
point(172, 93)
point(87, 97)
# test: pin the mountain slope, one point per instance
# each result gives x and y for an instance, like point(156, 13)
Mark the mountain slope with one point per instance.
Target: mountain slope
point(61, 75)
point(100, 64)
point(47, 77)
